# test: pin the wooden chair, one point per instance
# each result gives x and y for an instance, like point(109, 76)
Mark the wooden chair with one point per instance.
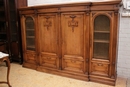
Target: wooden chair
point(4, 57)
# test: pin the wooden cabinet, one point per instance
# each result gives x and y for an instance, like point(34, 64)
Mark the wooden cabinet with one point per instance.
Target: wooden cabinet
point(9, 29)
point(74, 40)
point(103, 34)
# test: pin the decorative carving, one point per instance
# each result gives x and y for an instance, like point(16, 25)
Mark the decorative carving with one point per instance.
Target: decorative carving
point(87, 10)
point(93, 14)
point(73, 23)
point(35, 12)
point(110, 13)
point(47, 23)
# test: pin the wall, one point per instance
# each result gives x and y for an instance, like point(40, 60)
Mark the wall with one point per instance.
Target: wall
point(123, 62)
point(41, 2)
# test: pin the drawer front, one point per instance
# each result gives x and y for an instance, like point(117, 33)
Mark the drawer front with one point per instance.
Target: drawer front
point(49, 61)
point(30, 57)
point(99, 68)
point(73, 65)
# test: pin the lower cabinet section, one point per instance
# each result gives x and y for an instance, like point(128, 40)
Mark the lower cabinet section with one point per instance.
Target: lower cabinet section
point(99, 68)
point(100, 71)
point(73, 65)
point(100, 79)
point(30, 60)
point(49, 61)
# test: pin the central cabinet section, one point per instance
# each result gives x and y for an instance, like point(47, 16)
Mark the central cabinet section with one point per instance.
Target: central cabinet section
point(62, 44)
point(73, 42)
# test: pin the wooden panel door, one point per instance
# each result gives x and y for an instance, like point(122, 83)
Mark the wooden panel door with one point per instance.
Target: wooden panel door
point(73, 42)
point(48, 40)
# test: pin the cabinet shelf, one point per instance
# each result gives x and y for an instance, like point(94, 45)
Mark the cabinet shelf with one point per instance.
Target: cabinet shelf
point(100, 57)
point(33, 47)
point(30, 36)
point(29, 29)
point(97, 31)
point(101, 41)
point(29, 21)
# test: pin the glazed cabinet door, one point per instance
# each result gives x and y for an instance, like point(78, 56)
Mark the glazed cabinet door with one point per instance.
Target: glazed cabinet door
point(101, 44)
point(29, 39)
point(73, 42)
point(48, 40)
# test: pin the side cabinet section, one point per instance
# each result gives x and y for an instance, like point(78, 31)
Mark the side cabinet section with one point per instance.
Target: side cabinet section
point(101, 48)
point(29, 41)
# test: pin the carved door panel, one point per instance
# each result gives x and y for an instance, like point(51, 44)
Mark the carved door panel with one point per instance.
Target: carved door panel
point(48, 40)
point(101, 43)
point(73, 57)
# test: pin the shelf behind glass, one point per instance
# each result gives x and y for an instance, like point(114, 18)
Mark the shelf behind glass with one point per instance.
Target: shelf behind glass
point(102, 36)
point(99, 31)
point(101, 41)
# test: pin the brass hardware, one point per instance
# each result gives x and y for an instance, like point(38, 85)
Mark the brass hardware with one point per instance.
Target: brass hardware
point(87, 60)
point(99, 64)
point(73, 61)
point(48, 57)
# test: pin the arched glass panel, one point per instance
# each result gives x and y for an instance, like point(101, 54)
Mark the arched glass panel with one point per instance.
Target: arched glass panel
point(30, 33)
point(101, 37)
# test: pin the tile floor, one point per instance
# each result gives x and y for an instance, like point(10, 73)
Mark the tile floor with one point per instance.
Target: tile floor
point(24, 77)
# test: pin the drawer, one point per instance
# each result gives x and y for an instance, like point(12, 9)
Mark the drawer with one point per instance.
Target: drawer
point(49, 61)
point(30, 57)
point(73, 65)
point(100, 68)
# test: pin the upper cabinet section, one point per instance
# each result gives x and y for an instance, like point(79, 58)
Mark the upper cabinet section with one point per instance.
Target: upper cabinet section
point(29, 31)
point(101, 37)
point(72, 7)
point(30, 36)
point(102, 24)
point(102, 27)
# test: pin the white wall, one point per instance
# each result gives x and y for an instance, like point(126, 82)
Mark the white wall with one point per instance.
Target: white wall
point(41, 2)
point(123, 63)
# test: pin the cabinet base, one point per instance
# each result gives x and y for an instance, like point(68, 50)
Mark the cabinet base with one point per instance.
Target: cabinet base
point(63, 73)
point(104, 80)
point(80, 76)
point(29, 65)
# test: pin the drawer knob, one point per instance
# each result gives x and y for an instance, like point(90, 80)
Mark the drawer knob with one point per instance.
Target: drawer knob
point(48, 57)
point(100, 64)
point(73, 61)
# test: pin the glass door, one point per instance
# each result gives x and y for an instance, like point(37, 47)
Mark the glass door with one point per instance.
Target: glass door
point(101, 37)
point(30, 33)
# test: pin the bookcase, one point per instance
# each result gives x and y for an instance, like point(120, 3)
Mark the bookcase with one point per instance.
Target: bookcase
point(10, 30)
point(77, 40)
